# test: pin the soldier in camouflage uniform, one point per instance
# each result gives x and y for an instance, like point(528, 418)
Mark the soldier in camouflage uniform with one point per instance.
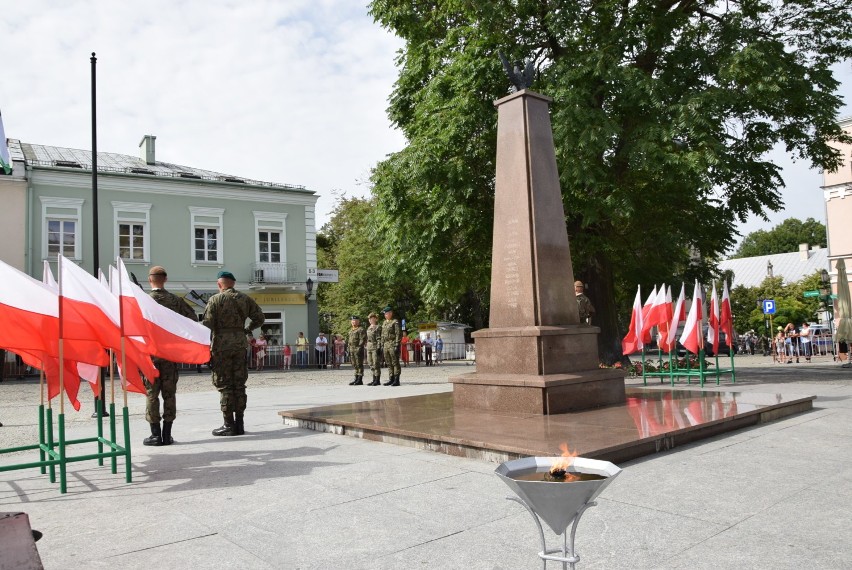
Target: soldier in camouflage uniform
point(391, 338)
point(166, 384)
point(356, 341)
point(374, 341)
point(225, 315)
point(583, 303)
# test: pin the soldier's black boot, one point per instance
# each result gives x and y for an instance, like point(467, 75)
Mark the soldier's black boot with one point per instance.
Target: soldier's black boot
point(239, 425)
point(359, 380)
point(167, 433)
point(389, 382)
point(156, 436)
point(375, 381)
point(355, 381)
point(395, 380)
point(228, 427)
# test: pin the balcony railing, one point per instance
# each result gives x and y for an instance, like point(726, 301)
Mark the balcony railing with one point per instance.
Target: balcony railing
point(274, 273)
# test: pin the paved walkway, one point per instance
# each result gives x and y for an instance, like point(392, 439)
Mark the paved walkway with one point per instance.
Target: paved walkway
point(773, 496)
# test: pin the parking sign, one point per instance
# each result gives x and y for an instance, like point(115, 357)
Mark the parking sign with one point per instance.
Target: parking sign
point(769, 307)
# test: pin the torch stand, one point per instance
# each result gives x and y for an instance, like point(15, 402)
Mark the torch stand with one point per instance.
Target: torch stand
point(569, 556)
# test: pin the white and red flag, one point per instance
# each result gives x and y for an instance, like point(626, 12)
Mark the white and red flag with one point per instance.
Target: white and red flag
point(648, 317)
point(632, 342)
point(726, 317)
point(90, 312)
point(678, 316)
point(167, 334)
point(692, 339)
point(713, 321)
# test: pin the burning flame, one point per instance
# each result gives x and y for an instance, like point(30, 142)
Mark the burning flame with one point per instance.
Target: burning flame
point(559, 469)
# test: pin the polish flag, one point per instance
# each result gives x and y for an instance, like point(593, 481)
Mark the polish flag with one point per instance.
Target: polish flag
point(29, 327)
point(663, 315)
point(692, 339)
point(168, 335)
point(713, 321)
point(678, 315)
point(633, 341)
point(648, 317)
point(726, 319)
point(73, 370)
point(91, 312)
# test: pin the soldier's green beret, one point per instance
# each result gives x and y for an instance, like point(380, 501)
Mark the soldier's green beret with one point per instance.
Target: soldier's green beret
point(354, 318)
point(387, 309)
point(226, 275)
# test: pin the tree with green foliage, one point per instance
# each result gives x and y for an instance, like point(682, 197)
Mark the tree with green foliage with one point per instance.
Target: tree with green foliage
point(348, 242)
point(662, 113)
point(783, 238)
point(791, 305)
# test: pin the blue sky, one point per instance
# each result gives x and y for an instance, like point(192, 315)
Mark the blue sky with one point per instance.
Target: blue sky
point(291, 91)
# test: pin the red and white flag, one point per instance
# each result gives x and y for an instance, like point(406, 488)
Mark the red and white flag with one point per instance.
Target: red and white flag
point(678, 316)
point(648, 317)
point(632, 342)
point(726, 318)
point(664, 317)
point(167, 334)
point(90, 312)
point(713, 321)
point(692, 339)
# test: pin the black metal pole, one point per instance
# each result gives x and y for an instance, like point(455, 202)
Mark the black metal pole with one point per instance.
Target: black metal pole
point(95, 256)
point(94, 61)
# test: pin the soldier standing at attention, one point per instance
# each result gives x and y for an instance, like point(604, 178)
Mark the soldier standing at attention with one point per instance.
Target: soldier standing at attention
point(374, 340)
point(225, 316)
point(166, 384)
point(356, 341)
point(583, 303)
point(391, 337)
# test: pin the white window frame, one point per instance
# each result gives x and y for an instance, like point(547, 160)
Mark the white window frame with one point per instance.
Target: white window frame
point(129, 213)
point(270, 222)
point(207, 218)
point(72, 210)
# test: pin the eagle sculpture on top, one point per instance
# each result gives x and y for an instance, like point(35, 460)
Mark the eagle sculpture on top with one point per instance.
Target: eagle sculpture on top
point(520, 79)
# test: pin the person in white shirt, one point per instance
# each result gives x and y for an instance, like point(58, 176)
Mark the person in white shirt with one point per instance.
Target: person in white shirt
point(805, 339)
point(319, 348)
point(428, 343)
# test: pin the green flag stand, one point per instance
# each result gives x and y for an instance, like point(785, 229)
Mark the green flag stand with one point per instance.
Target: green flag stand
point(55, 453)
point(676, 370)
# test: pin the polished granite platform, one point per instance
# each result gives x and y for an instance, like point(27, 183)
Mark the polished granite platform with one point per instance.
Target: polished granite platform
point(650, 420)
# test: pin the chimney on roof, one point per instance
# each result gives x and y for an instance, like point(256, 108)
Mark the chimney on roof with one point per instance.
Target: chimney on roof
point(804, 251)
point(146, 149)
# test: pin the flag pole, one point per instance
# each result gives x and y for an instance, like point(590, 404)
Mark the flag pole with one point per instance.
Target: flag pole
point(113, 459)
point(128, 467)
point(41, 437)
point(100, 411)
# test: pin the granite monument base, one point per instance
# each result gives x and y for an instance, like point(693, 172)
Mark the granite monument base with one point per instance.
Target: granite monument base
point(538, 370)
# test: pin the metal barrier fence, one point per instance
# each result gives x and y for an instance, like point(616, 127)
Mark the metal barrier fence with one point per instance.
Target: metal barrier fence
point(275, 359)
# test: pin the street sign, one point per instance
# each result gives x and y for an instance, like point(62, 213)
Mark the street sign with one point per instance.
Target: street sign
point(811, 294)
point(769, 306)
point(327, 275)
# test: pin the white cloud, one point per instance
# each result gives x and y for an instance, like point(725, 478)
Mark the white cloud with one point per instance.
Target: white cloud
point(290, 91)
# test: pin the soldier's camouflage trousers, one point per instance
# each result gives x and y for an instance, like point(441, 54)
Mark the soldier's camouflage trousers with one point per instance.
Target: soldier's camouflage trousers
point(357, 359)
point(230, 373)
point(374, 362)
point(391, 353)
point(165, 386)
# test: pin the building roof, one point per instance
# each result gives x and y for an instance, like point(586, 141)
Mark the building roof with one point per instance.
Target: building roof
point(109, 162)
point(751, 271)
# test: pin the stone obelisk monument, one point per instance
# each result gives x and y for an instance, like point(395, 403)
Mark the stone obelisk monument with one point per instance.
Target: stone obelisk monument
point(536, 357)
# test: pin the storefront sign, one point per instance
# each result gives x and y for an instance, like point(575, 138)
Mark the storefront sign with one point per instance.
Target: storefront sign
point(278, 298)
